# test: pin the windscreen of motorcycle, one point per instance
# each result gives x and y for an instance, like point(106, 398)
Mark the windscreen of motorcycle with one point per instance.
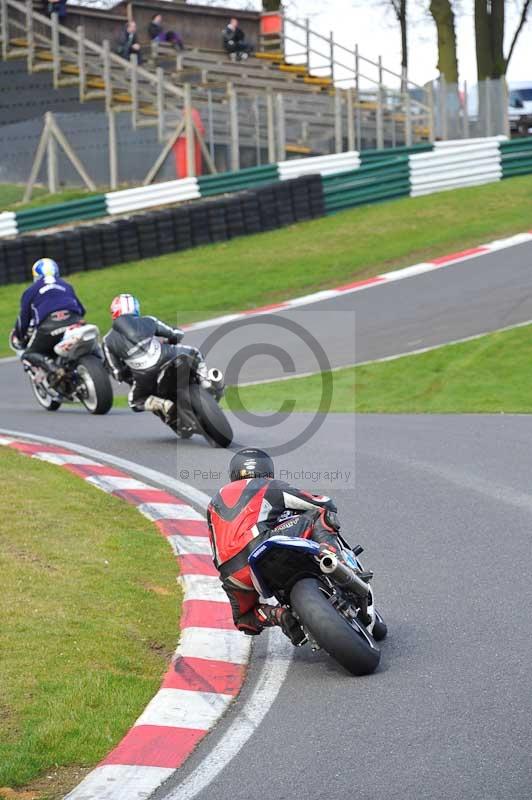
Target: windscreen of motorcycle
point(144, 355)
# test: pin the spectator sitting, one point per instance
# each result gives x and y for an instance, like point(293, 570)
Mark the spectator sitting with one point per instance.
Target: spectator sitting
point(128, 43)
point(57, 7)
point(157, 34)
point(235, 41)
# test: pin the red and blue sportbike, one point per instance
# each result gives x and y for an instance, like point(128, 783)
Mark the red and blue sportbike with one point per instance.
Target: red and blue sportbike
point(329, 593)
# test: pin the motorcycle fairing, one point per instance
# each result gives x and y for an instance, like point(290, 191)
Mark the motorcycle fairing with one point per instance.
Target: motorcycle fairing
point(303, 548)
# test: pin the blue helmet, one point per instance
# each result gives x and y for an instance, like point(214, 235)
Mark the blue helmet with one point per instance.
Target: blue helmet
point(44, 268)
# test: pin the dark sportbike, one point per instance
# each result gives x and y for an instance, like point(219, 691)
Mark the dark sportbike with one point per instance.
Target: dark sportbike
point(76, 374)
point(331, 597)
point(196, 392)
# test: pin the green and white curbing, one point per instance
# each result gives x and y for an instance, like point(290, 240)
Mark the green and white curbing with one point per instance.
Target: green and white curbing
point(349, 179)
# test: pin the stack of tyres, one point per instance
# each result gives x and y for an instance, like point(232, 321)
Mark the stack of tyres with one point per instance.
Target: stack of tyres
point(182, 230)
point(165, 232)
point(91, 237)
point(316, 196)
point(129, 240)
point(285, 206)
point(235, 218)
point(18, 271)
point(147, 233)
point(216, 211)
point(74, 253)
point(251, 213)
point(301, 199)
point(199, 224)
point(269, 219)
point(110, 244)
point(54, 247)
point(33, 249)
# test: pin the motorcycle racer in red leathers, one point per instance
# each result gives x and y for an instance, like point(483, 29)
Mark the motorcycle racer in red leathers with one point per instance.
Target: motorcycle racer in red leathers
point(250, 509)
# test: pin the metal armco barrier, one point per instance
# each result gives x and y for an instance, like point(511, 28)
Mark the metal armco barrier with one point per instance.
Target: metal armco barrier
point(8, 224)
point(323, 165)
point(48, 216)
point(452, 166)
point(158, 194)
point(368, 184)
point(516, 157)
point(165, 231)
point(226, 182)
point(349, 179)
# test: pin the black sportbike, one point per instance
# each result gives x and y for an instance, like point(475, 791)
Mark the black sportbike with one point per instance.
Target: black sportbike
point(196, 392)
point(75, 374)
point(330, 595)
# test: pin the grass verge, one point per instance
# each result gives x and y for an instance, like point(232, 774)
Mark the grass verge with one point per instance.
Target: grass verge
point(266, 268)
point(491, 374)
point(89, 621)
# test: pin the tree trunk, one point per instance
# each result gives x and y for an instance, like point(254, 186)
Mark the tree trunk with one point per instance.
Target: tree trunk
point(404, 44)
point(443, 15)
point(489, 38)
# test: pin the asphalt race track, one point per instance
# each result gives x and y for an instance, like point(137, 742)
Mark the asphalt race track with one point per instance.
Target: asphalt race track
point(443, 507)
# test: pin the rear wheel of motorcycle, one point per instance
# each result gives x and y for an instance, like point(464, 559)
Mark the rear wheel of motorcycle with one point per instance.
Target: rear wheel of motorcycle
point(43, 398)
point(211, 419)
point(98, 392)
point(347, 642)
point(380, 629)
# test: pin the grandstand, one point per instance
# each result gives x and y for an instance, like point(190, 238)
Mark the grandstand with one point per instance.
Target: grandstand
point(300, 93)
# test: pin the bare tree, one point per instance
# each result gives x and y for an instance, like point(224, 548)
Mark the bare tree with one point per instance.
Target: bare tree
point(443, 16)
point(489, 37)
point(400, 10)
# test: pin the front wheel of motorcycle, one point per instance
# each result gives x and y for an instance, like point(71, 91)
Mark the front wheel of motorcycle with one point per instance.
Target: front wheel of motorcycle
point(211, 419)
point(97, 392)
point(43, 398)
point(348, 642)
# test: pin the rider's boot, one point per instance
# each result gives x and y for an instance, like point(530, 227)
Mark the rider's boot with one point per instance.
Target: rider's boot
point(159, 406)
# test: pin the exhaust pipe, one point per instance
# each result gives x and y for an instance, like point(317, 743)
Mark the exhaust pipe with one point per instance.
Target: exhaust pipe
point(343, 575)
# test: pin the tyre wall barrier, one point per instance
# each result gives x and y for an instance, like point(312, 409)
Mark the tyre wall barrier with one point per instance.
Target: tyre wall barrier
point(94, 246)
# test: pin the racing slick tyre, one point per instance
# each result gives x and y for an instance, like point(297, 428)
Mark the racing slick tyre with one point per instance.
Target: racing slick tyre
point(43, 398)
point(380, 629)
point(348, 642)
point(98, 393)
point(211, 419)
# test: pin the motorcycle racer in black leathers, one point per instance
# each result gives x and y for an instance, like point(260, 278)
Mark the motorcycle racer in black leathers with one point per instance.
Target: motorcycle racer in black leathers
point(135, 353)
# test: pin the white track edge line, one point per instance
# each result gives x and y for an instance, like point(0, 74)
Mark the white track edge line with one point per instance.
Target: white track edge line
point(272, 675)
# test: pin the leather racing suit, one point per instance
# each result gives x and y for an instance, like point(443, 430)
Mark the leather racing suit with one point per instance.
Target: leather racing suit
point(242, 515)
point(49, 306)
point(135, 354)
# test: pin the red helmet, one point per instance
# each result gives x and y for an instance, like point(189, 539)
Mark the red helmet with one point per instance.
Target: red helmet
point(125, 304)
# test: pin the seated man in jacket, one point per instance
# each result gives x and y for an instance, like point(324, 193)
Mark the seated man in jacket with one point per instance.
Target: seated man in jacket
point(234, 41)
point(249, 509)
point(135, 354)
point(128, 43)
point(47, 308)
